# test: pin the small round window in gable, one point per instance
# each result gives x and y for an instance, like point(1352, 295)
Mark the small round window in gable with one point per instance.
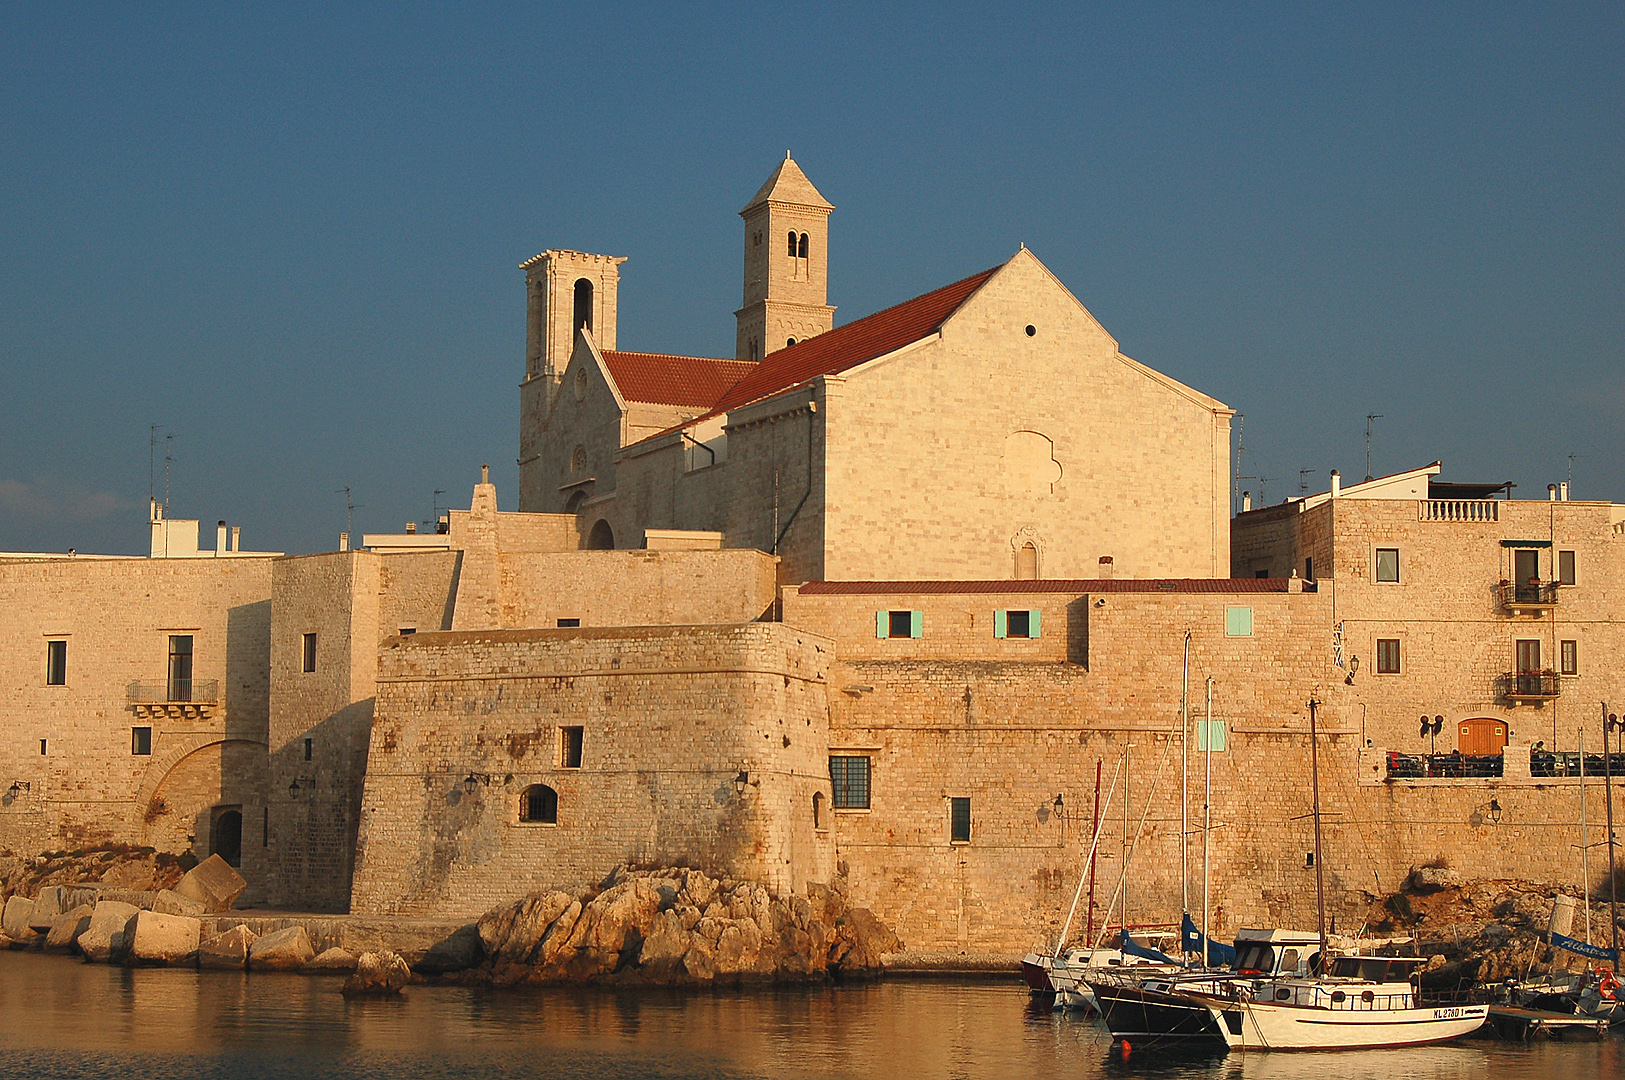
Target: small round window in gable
point(1032, 330)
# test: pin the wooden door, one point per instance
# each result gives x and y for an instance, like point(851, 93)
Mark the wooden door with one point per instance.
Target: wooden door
point(1481, 737)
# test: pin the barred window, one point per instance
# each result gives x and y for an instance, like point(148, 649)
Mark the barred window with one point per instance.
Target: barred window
point(539, 804)
point(849, 777)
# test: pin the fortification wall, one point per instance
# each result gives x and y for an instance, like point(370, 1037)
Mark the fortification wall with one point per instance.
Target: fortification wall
point(636, 588)
point(701, 746)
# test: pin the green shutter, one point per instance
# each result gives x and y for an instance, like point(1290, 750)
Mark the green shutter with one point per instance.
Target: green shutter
point(882, 623)
point(998, 624)
point(1032, 623)
point(1238, 622)
point(1210, 732)
point(916, 624)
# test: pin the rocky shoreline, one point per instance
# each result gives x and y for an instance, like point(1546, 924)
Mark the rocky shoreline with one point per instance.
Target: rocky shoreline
point(673, 926)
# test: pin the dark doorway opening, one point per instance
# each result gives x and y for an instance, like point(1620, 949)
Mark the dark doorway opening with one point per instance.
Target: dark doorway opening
point(226, 838)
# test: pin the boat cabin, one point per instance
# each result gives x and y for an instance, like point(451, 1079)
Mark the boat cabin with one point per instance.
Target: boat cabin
point(1275, 952)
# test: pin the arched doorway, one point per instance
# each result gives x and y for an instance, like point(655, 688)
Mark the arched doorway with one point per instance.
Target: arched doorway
point(583, 304)
point(1482, 736)
point(226, 835)
point(602, 537)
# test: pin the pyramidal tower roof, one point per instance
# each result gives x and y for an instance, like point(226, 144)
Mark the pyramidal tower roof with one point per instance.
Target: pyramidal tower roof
point(788, 184)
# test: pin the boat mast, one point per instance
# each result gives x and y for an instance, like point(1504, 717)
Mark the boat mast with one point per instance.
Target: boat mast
point(1094, 846)
point(1090, 937)
point(1608, 723)
point(1585, 852)
point(1320, 880)
point(1207, 825)
point(1185, 780)
point(1124, 874)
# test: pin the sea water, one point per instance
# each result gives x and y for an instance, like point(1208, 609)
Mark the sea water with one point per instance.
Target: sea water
point(64, 1019)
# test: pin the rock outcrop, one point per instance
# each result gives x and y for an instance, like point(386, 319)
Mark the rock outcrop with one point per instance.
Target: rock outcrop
point(377, 974)
point(212, 883)
point(66, 928)
point(108, 936)
point(158, 938)
point(678, 926)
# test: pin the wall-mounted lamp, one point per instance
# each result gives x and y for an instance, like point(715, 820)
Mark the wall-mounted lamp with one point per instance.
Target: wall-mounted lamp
point(18, 786)
point(1494, 815)
point(1101, 602)
point(1059, 805)
point(741, 781)
point(473, 780)
point(300, 782)
point(1354, 665)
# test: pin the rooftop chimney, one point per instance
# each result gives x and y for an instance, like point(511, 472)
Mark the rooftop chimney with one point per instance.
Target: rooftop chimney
point(344, 541)
point(236, 538)
point(1551, 492)
point(1337, 483)
point(220, 538)
point(485, 474)
point(1563, 491)
point(411, 528)
point(1246, 501)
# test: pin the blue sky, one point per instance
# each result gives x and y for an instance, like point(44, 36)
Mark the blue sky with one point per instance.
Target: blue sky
point(289, 234)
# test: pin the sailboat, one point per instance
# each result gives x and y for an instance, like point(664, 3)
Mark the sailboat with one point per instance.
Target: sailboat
point(1329, 1003)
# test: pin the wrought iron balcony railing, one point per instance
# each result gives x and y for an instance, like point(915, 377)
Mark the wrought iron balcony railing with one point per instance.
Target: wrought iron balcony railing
point(1529, 594)
point(1530, 685)
point(174, 692)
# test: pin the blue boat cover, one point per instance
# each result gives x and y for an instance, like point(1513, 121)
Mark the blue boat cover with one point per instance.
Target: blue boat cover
point(1129, 948)
point(1573, 945)
point(1218, 955)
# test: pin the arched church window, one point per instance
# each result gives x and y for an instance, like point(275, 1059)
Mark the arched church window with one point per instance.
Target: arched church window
point(602, 537)
point(583, 305)
point(802, 253)
point(753, 356)
point(573, 503)
point(539, 804)
point(818, 809)
point(578, 461)
point(1027, 562)
point(789, 342)
point(792, 243)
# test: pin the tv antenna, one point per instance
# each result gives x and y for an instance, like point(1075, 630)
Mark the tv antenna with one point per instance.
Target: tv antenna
point(350, 507)
point(1303, 484)
point(169, 456)
point(434, 513)
point(1368, 418)
point(1571, 467)
point(1241, 446)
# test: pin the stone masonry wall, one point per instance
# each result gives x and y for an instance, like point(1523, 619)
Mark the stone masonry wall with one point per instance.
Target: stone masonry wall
point(72, 745)
point(701, 746)
point(636, 588)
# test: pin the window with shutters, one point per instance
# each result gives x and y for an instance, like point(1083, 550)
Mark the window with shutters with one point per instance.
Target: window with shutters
point(1017, 624)
point(899, 624)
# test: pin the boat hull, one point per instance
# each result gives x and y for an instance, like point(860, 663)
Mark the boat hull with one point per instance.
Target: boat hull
point(1252, 1025)
point(1151, 1016)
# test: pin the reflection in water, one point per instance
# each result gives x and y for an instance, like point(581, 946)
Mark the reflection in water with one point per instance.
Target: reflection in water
point(63, 1019)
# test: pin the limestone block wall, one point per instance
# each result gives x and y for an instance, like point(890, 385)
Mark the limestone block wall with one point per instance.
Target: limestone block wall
point(585, 413)
point(636, 588)
point(944, 459)
point(70, 747)
point(701, 745)
point(303, 837)
point(954, 625)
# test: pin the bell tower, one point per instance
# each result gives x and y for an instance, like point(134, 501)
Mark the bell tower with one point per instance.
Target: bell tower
point(786, 264)
point(565, 291)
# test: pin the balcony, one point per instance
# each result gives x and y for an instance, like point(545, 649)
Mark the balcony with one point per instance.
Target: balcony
point(1567, 763)
point(174, 699)
point(1459, 510)
point(1536, 686)
point(1531, 596)
point(1451, 766)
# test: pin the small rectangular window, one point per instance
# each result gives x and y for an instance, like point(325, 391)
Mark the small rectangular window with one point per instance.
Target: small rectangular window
point(1565, 568)
point(890, 624)
point(42, 748)
point(1308, 569)
point(570, 747)
point(56, 663)
point(1388, 564)
point(141, 741)
point(1016, 624)
point(567, 623)
point(309, 663)
point(408, 630)
point(1571, 657)
point(849, 781)
point(1238, 622)
point(1210, 735)
point(310, 748)
point(1387, 656)
point(1264, 573)
point(959, 823)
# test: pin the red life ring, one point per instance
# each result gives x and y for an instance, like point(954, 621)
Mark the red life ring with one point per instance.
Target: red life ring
point(1608, 986)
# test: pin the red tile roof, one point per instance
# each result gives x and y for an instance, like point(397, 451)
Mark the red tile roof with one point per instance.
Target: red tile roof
point(659, 379)
point(1049, 585)
point(850, 345)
